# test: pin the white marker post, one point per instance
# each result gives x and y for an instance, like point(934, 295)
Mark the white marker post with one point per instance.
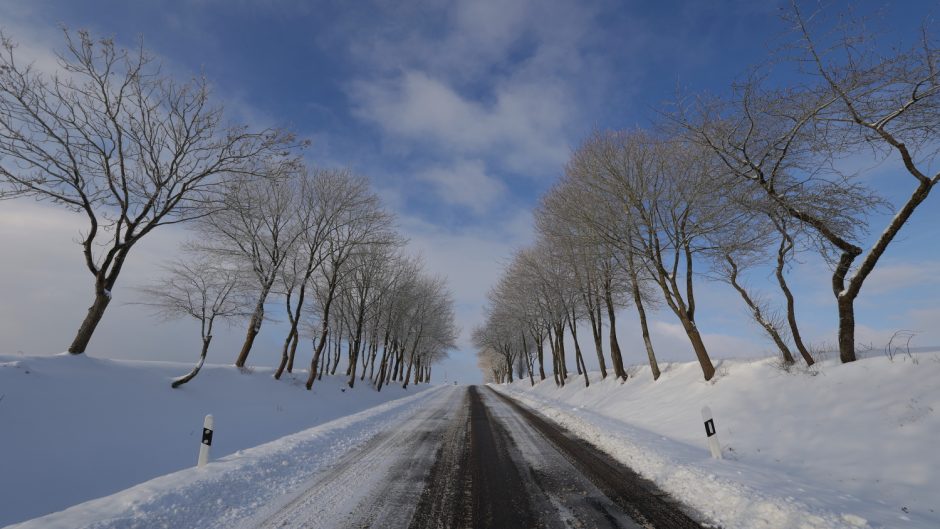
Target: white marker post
point(206, 441)
point(710, 432)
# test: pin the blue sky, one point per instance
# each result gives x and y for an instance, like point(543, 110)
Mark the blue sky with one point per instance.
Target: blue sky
point(462, 114)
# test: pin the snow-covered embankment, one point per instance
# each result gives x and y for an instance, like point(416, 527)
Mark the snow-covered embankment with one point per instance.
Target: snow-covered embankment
point(838, 446)
point(77, 428)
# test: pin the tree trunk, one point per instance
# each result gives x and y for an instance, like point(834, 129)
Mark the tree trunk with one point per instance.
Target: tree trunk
point(757, 314)
point(528, 358)
point(560, 348)
point(786, 244)
point(315, 362)
point(328, 354)
point(293, 352)
point(695, 338)
point(540, 350)
point(552, 349)
point(383, 366)
point(846, 307)
point(394, 360)
point(202, 360)
point(367, 360)
point(285, 355)
point(641, 312)
point(254, 326)
point(318, 346)
point(324, 329)
point(411, 361)
point(104, 284)
point(845, 297)
point(90, 323)
point(509, 366)
point(684, 310)
point(290, 335)
point(375, 351)
point(578, 359)
point(396, 365)
point(357, 343)
point(708, 370)
point(338, 355)
point(616, 360)
point(645, 330)
point(295, 321)
point(596, 330)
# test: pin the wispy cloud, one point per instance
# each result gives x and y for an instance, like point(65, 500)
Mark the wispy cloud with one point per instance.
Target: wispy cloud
point(467, 184)
point(889, 277)
point(521, 127)
point(499, 81)
point(471, 259)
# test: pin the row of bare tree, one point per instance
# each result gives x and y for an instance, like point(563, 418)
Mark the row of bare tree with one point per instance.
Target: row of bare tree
point(320, 240)
point(719, 186)
point(110, 136)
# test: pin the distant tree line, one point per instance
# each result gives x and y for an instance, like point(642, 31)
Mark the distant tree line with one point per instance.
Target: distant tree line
point(718, 186)
point(112, 137)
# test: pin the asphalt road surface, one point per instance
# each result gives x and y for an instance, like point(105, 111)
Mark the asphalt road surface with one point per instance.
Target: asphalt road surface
point(477, 459)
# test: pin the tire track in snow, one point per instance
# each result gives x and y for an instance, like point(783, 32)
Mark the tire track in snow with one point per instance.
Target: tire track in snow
point(375, 485)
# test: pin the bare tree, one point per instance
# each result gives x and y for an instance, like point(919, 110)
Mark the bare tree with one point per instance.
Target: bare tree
point(361, 222)
point(522, 295)
point(366, 270)
point(785, 250)
point(891, 104)
point(582, 254)
point(768, 319)
point(323, 198)
point(856, 100)
point(671, 198)
point(257, 229)
point(750, 242)
point(540, 271)
point(602, 214)
point(401, 293)
point(433, 332)
point(203, 289)
point(113, 138)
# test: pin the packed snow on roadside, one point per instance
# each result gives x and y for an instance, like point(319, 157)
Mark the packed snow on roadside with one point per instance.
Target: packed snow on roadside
point(844, 446)
point(74, 428)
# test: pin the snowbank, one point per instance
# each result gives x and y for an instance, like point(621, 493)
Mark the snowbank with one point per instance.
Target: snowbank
point(73, 428)
point(850, 445)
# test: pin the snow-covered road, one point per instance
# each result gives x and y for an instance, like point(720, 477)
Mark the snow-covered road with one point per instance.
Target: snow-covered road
point(472, 458)
point(376, 485)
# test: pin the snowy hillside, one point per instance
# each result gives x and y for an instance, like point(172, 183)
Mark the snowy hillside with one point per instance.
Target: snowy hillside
point(74, 428)
point(842, 446)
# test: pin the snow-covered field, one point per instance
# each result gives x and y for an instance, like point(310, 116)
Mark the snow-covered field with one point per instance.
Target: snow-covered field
point(841, 446)
point(77, 428)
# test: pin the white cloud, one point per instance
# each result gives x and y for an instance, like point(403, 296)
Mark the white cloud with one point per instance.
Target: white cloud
point(522, 126)
point(34, 42)
point(893, 276)
point(466, 183)
point(471, 260)
point(463, 40)
point(501, 81)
